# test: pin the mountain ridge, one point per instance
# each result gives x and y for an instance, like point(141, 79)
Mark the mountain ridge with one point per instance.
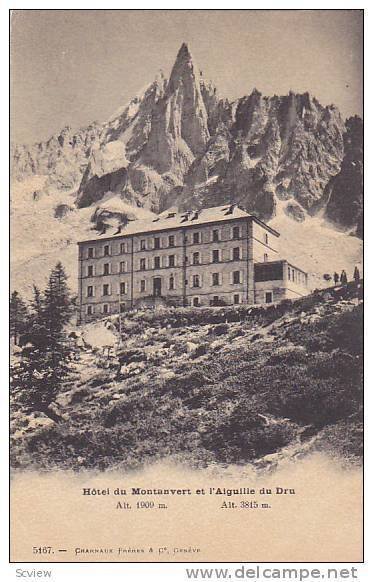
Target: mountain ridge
point(180, 143)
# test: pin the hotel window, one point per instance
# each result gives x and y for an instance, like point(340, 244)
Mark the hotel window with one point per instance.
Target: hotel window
point(269, 297)
point(122, 289)
point(106, 250)
point(90, 252)
point(142, 244)
point(122, 267)
point(157, 262)
point(215, 279)
point(122, 248)
point(105, 289)
point(196, 238)
point(196, 301)
point(142, 285)
point(215, 236)
point(289, 273)
point(236, 277)
point(266, 238)
point(236, 232)
point(215, 256)
point(292, 275)
point(105, 308)
point(171, 240)
point(90, 271)
point(196, 281)
point(89, 309)
point(236, 254)
point(142, 264)
point(171, 283)
point(107, 269)
point(157, 243)
point(195, 258)
point(90, 291)
point(236, 299)
point(171, 261)
point(265, 257)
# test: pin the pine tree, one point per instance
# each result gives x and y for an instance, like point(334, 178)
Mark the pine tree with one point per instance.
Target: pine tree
point(44, 363)
point(18, 316)
point(36, 328)
point(57, 300)
point(37, 303)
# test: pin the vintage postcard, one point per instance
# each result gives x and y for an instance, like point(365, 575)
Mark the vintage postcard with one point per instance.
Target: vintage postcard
point(186, 309)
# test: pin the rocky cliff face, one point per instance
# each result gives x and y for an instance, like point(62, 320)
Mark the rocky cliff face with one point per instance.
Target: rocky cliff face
point(63, 158)
point(180, 143)
point(345, 190)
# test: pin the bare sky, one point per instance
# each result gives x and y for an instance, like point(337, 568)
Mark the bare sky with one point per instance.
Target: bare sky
point(72, 67)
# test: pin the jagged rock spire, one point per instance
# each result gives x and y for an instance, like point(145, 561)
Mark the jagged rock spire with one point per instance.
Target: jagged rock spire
point(184, 66)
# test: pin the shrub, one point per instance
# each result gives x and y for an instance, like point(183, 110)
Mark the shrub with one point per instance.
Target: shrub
point(201, 350)
point(317, 401)
point(244, 435)
point(289, 357)
point(130, 356)
point(79, 395)
point(220, 329)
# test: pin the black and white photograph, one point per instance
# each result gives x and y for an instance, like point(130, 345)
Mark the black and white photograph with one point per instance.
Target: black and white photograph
point(186, 285)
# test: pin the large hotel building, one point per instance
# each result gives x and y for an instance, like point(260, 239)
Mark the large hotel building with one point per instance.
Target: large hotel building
point(213, 256)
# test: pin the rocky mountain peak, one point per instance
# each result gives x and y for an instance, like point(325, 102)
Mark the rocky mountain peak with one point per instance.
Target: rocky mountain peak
point(179, 142)
point(183, 68)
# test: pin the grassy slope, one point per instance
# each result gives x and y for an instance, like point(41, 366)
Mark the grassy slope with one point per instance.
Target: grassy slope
point(203, 388)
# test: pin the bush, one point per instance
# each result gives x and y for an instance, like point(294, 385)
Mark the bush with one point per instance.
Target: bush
point(220, 329)
point(316, 401)
point(79, 395)
point(289, 357)
point(201, 350)
point(131, 356)
point(244, 435)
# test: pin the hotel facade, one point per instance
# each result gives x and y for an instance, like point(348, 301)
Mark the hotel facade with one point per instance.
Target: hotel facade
point(211, 257)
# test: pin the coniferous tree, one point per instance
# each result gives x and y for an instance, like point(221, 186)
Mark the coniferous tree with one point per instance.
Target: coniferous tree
point(44, 363)
point(57, 301)
point(37, 303)
point(18, 316)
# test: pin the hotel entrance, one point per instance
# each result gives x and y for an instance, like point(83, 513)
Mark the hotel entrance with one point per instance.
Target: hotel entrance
point(157, 286)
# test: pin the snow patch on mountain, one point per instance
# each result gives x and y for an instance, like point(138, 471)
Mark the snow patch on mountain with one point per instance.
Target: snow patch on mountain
point(316, 246)
point(39, 240)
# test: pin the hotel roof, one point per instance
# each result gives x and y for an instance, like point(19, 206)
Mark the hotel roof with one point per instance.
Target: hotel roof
point(171, 219)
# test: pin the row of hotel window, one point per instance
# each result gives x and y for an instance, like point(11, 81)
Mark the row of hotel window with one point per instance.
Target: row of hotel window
point(195, 281)
point(194, 301)
point(297, 276)
point(155, 242)
point(168, 261)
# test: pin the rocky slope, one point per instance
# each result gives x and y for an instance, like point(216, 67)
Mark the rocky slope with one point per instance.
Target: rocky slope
point(206, 386)
point(179, 143)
